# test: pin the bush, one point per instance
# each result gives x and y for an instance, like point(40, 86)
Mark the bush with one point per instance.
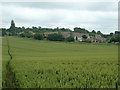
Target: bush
point(3, 32)
point(70, 39)
point(87, 41)
point(22, 35)
point(55, 37)
point(38, 36)
point(84, 37)
point(26, 34)
point(115, 39)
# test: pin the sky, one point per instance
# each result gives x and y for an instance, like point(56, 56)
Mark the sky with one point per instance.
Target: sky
point(100, 16)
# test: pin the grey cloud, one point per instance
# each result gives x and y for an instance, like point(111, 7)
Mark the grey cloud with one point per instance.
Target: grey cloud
point(57, 17)
point(93, 6)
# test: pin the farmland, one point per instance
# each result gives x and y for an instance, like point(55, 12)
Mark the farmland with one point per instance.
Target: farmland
point(47, 64)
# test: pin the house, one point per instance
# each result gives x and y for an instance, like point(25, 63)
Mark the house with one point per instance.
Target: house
point(66, 34)
point(78, 36)
point(47, 33)
point(96, 38)
point(99, 38)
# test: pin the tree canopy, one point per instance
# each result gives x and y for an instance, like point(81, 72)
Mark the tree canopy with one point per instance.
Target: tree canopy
point(70, 39)
point(80, 30)
point(38, 36)
point(84, 37)
point(55, 37)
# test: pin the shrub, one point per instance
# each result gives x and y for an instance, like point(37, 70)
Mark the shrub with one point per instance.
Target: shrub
point(38, 36)
point(84, 37)
point(55, 37)
point(115, 39)
point(22, 35)
point(26, 34)
point(3, 32)
point(70, 39)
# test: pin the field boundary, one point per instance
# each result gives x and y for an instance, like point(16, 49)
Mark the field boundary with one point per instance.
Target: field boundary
point(10, 76)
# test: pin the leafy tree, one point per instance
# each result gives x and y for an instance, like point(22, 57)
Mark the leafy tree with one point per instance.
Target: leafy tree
point(55, 37)
point(106, 36)
point(38, 36)
point(22, 35)
point(70, 39)
point(80, 30)
point(23, 28)
point(93, 31)
point(111, 34)
point(3, 31)
point(117, 32)
point(84, 37)
point(34, 27)
point(115, 39)
point(27, 34)
point(98, 32)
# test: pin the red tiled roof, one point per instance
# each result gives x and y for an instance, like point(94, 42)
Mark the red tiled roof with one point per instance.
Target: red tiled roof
point(79, 34)
point(47, 33)
point(65, 34)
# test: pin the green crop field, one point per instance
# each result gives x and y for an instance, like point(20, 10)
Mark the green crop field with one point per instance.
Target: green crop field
point(47, 64)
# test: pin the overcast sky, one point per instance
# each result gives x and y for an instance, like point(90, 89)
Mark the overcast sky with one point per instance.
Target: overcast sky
point(97, 16)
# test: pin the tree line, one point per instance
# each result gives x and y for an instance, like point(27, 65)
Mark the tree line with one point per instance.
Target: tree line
point(36, 33)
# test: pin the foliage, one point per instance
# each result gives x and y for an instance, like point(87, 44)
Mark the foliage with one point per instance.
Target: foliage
point(84, 37)
point(3, 32)
point(61, 29)
point(117, 32)
point(70, 39)
point(22, 35)
point(28, 34)
point(93, 32)
point(38, 36)
point(55, 37)
point(115, 38)
point(111, 34)
point(99, 32)
point(80, 30)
